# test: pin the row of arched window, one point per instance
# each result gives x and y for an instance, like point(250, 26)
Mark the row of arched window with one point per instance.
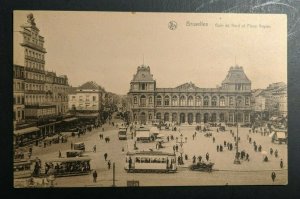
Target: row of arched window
point(189, 101)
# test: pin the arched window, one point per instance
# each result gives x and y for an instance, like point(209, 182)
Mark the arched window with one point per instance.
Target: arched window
point(167, 100)
point(214, 101)
point(150, 116)
point(135, 100)
point(174, 101)
point(182, 101)
point(143, 101)
point(190, 101)
point(231, 101)
point(222, 101)
point(150, 100)
point(198, 101)
point(206, 101)
point(158, 100)
point(247, 101)
point(158, 116)
point(239, 101)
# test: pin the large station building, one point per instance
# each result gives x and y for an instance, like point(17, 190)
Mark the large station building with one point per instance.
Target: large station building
point(189, 104)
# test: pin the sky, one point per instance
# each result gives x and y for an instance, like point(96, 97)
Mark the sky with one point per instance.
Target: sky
point(107, 47)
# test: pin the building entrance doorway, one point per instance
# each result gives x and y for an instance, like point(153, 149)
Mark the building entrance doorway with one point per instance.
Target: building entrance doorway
point(190, 118)
point(182, 118)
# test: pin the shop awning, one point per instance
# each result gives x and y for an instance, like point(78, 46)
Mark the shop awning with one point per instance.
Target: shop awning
point(70, 119)
point(26, 130)
point(90, 115)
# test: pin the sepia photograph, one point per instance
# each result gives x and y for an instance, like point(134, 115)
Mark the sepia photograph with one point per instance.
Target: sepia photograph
point(139, 99)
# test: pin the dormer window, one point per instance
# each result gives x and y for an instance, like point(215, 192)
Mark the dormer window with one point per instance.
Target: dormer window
point(143, 86)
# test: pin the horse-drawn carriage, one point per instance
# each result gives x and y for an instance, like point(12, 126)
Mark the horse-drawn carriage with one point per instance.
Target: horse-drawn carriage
point(202, 166)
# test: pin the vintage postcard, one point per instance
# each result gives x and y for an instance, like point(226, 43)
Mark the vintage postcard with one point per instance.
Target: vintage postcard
point(122, 99)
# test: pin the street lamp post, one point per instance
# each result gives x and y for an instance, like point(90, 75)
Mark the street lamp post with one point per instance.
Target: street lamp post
point(181, 144)
point(236, 159)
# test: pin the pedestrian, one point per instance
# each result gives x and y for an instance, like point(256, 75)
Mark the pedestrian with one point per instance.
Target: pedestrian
point(176, 148)
point(221, 148)
point(207, 156)
point(193, 136)
point(259, 148)
point(281, 163)
point(271, 151)
point(59, 154)
point(108, 164)
point(94, 149)
point(194, 159)
point(105, 156)
point(224, 143)
point(214, 139)
point(95, 175)
point(199, 158)
point(273, 176)
point(276, 153)
point(186, 157)
point(103, 129)
point(247, 157)
point(217, 148)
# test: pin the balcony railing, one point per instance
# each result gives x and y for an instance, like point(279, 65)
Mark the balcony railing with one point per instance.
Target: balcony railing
point(34, 59)
point(35, 46)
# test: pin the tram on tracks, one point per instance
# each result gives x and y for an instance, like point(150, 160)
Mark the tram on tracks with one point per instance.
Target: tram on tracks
point(23, 168)
point(71, 166)
point(150, 161)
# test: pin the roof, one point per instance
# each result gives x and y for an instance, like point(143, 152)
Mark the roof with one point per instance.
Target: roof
point(150, 153)
point(90, 86)
point(72, 90)
point(143, 74)
point(70, 159)
point(187, 86)
point(236, 74)
point(26, 130)
point(143, 134)
point(257, 92)
point(280, 135)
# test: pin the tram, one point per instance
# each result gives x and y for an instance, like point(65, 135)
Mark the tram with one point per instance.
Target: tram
point(23, 169)
point(70, 166)
point(122, 134)
point(150, 161)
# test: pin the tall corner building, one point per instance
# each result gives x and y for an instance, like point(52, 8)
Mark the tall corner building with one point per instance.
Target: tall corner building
point(189, 104)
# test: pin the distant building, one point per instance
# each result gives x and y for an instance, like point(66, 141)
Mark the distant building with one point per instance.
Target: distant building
point(86, 100)
point(18, 94)
point(188, 103)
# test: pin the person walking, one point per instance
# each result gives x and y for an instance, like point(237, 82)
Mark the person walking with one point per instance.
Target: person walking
point(281, 164)
point(199, 158)
point(207, 156)
point(94, 149)
point(276, 153)
point(194, 159)
point(214, 139)
point(217, 148)
point(108, 164)
point(273, 176)
point(271, 151)
point(105, 156)
point(59, 154)
point(95, 175)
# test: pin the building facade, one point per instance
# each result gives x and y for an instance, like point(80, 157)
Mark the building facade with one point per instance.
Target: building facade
point(188, 103)
point(40, 97)
point(86, 100)
point(18, 94)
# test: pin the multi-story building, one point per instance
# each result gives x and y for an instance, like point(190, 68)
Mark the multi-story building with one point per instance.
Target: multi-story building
point(86, 101)
point(188, 103)
point(18, 94)
point(281, 95)
point(40, 113)
point(56, 88)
